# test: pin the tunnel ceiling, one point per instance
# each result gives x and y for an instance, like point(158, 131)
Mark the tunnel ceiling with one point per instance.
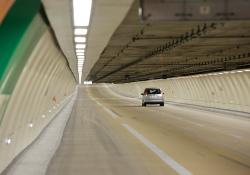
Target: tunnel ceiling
point(142, 51)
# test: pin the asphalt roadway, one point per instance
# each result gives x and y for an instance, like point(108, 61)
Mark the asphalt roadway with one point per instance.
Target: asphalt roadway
point(111, 135)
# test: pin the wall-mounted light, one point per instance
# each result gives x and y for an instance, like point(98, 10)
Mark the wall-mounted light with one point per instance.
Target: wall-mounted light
point(30, 125)
point(7, 141)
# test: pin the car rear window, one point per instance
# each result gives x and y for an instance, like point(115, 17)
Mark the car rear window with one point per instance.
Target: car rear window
point(153, 91)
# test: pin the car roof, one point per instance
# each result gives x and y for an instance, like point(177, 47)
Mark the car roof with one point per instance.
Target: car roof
point(152, 88)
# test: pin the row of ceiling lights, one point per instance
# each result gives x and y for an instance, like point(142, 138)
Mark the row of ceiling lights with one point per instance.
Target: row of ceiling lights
point(81, 13)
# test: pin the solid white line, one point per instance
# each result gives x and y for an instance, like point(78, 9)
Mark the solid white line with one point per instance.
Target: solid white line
point(166, 158)
point(113, 115)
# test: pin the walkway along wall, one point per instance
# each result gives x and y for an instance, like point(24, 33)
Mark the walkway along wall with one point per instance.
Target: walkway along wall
point(224, 90)
point(34, 84)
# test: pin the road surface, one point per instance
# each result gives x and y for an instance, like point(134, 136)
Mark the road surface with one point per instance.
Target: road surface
point(111, 135)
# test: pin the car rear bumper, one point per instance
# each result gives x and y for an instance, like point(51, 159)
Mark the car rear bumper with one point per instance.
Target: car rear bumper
point(153, 101)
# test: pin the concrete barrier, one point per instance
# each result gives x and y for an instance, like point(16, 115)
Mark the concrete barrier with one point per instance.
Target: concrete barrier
point(225, 90)
point(38, 92)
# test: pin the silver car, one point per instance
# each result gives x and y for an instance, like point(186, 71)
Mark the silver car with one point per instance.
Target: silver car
point(152, 96)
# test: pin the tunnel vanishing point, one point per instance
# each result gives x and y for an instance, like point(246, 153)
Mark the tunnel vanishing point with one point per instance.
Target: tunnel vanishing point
point(73, 79)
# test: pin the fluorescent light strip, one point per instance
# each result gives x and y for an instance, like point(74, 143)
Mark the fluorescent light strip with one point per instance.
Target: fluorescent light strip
point(82, 10)
point(81, 31)
point(80, 39)
point(80, 46)
point(80, 50)
point(80, 54)
point(80, 57)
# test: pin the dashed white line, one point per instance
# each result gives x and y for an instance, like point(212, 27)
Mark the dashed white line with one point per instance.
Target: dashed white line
point(163, 156)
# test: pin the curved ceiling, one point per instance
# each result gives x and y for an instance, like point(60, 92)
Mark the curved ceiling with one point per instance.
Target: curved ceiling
point(60, 15)
point(105, 18)
point(142, 51)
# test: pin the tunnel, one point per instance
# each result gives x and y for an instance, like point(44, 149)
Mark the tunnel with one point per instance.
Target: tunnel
point(124, 87)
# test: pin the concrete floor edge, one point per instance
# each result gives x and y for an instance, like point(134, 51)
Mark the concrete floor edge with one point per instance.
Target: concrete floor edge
point(36, 157)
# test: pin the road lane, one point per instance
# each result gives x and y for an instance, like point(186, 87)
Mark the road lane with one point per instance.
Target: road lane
point(104, 134)
point(204, 142)
point(94, 143)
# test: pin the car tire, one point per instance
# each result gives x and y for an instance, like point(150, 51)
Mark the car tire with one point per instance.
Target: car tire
point(143, 104)
point(162, 104)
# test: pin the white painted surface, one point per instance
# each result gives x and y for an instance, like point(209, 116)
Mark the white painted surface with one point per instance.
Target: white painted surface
point(161, 154)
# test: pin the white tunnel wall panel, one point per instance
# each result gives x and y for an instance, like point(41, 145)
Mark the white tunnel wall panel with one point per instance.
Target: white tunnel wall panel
point(224, 90)
point(45, 82)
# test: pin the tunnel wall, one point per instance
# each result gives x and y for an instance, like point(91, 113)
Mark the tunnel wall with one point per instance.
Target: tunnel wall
point(36, 84)
point(224, 90)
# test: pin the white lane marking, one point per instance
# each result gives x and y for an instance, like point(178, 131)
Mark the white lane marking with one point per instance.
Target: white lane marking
point(112, 114)
point(236, 136)
point(166, 158)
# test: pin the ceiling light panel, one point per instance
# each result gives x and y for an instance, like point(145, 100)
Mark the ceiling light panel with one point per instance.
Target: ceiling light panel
point(80, 46)
point(80, 54)
point(82, 10)
point(81, 31)
point(80, 50)
point(80, 57)
point(80, 39)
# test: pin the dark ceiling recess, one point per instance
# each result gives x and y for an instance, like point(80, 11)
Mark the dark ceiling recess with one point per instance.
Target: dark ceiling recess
point(143, 51)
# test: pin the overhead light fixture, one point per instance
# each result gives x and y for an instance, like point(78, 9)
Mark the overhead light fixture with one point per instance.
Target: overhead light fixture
point(80, 50)
point(80, 76)
point(82, 9)
point(81, 31)
point(80, 39)
point(80, 54)
point(80, 46)
point(88, 82)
